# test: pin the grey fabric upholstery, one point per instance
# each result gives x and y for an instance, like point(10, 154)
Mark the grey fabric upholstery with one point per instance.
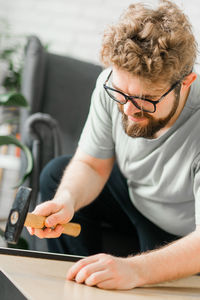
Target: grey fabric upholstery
point(58, 86)
point(58, 90)
point(33, 76)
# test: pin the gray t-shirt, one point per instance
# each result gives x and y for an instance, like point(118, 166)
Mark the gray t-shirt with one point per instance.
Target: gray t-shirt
point(163, 174)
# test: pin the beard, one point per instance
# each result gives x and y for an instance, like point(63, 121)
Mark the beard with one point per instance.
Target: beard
point(154, 125)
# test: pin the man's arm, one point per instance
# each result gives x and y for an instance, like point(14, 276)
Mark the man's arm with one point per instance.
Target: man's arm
point(84, 178)
point(81, 183)
point(174, 261)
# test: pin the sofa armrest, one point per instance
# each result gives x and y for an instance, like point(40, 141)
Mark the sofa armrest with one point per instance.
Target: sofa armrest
point(42, 136)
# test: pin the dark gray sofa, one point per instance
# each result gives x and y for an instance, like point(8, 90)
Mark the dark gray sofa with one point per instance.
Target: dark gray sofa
point(58, 90)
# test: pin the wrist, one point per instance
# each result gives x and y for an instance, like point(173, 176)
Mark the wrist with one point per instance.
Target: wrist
point(64, 197)
point(139, 271)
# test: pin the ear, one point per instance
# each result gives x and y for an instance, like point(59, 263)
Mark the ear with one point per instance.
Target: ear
point(189, 80)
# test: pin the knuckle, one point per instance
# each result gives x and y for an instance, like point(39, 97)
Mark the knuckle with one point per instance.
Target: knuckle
point(102, 256)
point(85, 272)
point(110, 262)
point(93, 278)
point(82, 263)
point(107, 258)
point(54, 206)
point(52, 220)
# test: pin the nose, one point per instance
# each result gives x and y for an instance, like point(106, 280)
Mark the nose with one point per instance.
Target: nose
point(130, 109)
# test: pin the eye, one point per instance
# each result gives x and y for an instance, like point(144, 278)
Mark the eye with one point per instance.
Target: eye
point(154, 98)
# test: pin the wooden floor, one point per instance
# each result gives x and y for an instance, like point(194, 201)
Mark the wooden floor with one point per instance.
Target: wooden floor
point(39, 278)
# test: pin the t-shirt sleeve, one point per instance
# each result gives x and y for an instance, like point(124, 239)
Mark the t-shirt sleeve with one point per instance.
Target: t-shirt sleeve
point(196, 190)
point(96, 137)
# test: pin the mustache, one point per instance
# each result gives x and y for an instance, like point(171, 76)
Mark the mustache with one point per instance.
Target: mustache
point(142, 114)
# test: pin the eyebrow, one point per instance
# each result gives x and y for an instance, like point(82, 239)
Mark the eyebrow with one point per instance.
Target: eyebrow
point(144, 96)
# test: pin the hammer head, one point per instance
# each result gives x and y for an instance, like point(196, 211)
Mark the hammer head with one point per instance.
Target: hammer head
point(17, 215)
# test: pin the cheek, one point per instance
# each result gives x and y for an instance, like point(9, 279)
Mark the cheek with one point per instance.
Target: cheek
point(164, 107)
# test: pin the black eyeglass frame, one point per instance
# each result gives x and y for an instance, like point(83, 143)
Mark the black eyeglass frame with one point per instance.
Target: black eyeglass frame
point(131, 98)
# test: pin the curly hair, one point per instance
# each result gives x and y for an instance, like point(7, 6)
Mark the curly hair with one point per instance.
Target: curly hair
point(154, 44)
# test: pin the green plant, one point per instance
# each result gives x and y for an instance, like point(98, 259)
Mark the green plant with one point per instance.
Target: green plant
point(16, 99)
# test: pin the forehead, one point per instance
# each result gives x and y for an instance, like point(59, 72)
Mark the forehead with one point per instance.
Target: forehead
point(133, 84)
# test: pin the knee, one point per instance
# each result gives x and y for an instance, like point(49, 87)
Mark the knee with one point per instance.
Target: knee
point(46, 174)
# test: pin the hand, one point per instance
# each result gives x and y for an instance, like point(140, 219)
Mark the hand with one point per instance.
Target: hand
point(57, 211)
point(104, 271)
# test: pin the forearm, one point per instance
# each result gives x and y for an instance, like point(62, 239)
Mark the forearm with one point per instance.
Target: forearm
point(80, 183)
point(171, 262)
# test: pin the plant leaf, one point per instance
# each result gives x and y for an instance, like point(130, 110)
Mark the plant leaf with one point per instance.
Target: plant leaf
point(1, 232)
point(13, 99)
point(11, 140)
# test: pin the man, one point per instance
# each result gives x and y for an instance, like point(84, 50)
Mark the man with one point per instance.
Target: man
point(138, 156)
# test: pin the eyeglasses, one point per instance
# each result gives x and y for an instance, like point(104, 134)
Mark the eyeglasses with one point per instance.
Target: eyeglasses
point(139, 102)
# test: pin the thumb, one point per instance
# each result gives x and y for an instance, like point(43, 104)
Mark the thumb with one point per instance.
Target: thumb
point(46, 208)
point(50, 210)
point(59, 217)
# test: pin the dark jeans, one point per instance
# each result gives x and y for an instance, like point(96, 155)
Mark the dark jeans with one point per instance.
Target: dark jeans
point(111, 214)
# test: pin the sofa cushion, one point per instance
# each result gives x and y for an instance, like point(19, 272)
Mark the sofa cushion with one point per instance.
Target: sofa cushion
point(33, 74)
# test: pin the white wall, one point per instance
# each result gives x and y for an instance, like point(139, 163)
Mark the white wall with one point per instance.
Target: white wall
point(75, 27)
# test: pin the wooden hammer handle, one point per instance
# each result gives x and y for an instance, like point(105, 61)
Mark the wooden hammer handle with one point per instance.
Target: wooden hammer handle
point(36, 221)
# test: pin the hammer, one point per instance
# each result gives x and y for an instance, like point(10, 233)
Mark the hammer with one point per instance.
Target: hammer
point(19, 217)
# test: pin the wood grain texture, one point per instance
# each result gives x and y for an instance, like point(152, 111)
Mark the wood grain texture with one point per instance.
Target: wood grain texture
point(46, 279)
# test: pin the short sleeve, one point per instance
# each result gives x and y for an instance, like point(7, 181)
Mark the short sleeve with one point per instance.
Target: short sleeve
point(196, 190)
point(96, 138)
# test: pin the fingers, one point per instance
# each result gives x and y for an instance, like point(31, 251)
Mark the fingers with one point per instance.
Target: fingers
point(107, 284)
point(73, 271)
point(86, 272)
point(96, 278)
point(96, 275)
point(90, 271)
point(58, 217)
point(30, 230)
point(55, 212)
point(47, 232)
point(105, 271)
point(47, 208)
